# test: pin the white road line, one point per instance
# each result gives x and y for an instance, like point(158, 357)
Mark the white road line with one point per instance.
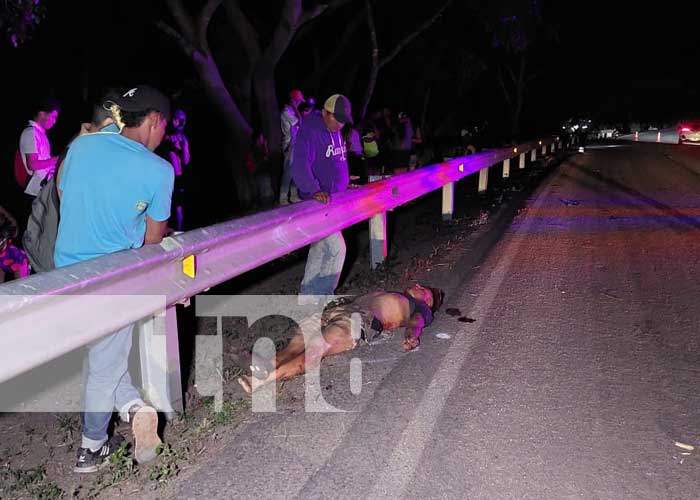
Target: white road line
point(402, 465)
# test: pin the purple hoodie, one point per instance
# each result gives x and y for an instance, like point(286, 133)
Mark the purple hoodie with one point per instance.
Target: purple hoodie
point(319, 159)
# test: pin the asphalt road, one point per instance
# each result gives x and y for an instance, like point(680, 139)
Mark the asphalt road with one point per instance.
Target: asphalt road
point(576, 379)
point(664, 135)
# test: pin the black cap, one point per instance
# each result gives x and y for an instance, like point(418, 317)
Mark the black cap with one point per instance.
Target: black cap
point(142, 98)
point(339, 105)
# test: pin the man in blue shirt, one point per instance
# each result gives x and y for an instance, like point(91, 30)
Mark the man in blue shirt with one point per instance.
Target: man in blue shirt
point(115, 195)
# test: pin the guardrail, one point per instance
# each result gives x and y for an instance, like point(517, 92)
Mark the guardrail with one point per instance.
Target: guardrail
point(47, 315)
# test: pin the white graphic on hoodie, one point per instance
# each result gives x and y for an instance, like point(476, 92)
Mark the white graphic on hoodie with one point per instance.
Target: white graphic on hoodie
point(333, 150)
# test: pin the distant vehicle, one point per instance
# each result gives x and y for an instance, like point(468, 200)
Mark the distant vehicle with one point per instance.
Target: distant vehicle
point(577, 125)
point(689, 132)
point(608, 133)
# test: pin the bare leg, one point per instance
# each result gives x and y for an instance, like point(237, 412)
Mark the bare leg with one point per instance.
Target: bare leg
point(334, 341)
point(261, 367)
point(296, 346)
point(292, 350)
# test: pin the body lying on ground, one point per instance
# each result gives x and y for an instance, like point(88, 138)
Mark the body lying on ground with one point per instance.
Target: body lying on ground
point(331, 332)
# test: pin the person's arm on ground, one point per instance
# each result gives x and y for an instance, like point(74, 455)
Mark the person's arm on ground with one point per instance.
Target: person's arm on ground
point(413, 329)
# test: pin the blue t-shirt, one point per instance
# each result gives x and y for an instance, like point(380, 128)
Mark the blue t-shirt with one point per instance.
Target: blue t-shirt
point(109, 184)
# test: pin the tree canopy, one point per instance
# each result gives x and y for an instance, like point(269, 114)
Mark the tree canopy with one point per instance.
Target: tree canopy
point(19, 18)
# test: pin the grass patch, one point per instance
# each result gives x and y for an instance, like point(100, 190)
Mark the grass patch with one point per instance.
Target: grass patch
point(18, 483)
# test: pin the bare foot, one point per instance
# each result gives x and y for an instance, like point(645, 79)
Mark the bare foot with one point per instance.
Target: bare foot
point(244, 381)
point(411, 343)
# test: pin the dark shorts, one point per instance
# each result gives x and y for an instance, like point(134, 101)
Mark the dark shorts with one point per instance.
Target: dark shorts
point(12, 259)
point(342, 314)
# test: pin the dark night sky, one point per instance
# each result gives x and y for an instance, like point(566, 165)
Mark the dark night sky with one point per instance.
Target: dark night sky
point(633, 56)
point(614, 59)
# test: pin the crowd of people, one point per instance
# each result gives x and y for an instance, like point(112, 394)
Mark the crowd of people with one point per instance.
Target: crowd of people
point(384, 143)
point(35, 165)
point(119, 185)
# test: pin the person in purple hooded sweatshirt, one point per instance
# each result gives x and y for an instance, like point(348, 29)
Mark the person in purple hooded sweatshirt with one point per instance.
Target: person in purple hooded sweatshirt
point(319, 169)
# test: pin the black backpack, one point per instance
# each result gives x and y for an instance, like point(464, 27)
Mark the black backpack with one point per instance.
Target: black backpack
point(39, 239)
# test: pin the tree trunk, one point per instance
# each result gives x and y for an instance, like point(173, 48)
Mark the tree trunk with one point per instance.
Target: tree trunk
point(242, 92)
point(371, 83)
point(374, 70)
point(236, 151)
point(258, 80)
point(235, 122)
point(268, 110)
point(219, 95)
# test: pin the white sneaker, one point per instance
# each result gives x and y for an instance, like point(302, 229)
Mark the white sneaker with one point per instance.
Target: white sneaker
point(144, 426)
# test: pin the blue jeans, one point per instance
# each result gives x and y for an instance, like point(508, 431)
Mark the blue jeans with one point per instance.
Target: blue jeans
point(107, 385)
point(324, 265)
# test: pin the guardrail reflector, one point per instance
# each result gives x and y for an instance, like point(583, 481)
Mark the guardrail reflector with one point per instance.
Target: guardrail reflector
point(188, 266)
point(461, 167)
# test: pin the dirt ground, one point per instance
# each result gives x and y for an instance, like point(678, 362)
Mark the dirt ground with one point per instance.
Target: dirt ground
point(37, 450)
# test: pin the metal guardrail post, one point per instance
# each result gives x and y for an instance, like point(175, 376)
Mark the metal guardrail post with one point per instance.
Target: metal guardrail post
point(533, 154)
point(506, 168)
point(483, 180)
point(521, 163)
point(377, 239)
point(160, 361)
point(448, 200)
point(544, 149)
